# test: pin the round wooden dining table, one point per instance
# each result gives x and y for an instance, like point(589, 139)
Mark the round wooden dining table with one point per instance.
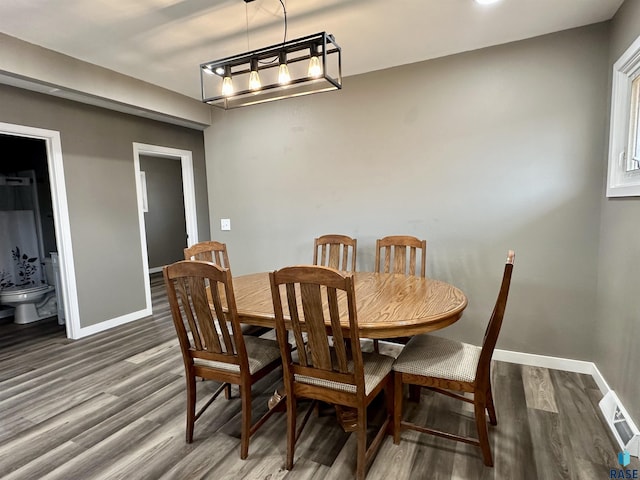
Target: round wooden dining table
point(388, 305)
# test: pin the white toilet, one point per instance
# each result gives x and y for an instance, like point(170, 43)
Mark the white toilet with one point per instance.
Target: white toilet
point(34, 303)
point(31, 304)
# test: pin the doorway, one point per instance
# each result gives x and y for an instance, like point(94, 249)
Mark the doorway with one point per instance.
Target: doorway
point(144, 154)
point(60, 213)
point(164, 218)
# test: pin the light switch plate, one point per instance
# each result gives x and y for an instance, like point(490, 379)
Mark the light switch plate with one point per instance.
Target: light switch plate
point(225, 224)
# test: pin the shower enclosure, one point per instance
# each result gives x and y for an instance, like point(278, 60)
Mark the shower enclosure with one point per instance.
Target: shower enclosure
point(21, 243)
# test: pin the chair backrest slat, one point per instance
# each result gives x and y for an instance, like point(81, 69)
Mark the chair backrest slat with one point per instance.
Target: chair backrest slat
point(333, 257)
point(318, 298)
point(318, 341)
point(412, 261)
point(292, 302)
point(220, 321)
point(202, 315)
point(334, 251)
point(336, 329)
point(392, 253)
point(182, 290)
point(400, 259)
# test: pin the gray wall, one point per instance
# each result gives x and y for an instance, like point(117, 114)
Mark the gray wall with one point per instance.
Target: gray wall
point(165, 223)
point(98, 166)
point(478, 153)
point(617, 329)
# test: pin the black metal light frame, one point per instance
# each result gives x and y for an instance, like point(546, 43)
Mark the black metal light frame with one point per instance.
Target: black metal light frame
point(297, 50)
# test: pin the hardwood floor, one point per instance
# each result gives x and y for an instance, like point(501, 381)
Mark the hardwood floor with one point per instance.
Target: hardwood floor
point(113, 406)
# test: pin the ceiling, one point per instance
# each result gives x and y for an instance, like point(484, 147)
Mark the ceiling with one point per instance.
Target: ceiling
point(164, 41)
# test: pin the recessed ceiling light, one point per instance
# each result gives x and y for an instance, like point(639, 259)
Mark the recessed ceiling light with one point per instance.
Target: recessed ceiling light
point(486, 2)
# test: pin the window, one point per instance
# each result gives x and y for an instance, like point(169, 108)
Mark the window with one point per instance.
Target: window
point(633, 163)
point(623, 177)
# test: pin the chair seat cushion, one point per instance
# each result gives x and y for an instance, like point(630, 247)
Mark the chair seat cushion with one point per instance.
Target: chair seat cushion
point(432, 356)
point(260, 352)
point(376, 368)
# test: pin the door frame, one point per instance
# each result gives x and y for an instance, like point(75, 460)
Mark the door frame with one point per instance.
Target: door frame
point(189, 192)
point(62, 224)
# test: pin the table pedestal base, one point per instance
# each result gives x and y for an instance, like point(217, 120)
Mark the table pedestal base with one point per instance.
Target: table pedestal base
point(347, 418)
point(275, 401)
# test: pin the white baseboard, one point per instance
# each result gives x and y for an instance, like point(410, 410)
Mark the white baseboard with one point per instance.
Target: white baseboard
point(600, 381)
point(155, 269)
point(555, 363)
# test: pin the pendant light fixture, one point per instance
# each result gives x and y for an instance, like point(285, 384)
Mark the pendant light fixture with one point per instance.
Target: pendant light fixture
point(292, 68)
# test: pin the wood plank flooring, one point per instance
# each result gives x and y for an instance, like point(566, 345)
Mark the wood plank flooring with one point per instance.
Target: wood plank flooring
point(112, 406)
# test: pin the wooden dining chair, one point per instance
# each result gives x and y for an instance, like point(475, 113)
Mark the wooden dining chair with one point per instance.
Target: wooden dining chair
point(208, 251)
point(216, 252)
point(193, 288)
point(447, 366)
point(400, 254)
point(335, 251)
point(312, 300)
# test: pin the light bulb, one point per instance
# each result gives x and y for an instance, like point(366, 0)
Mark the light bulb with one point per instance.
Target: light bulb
point(283, 74)
point(283, 71)
point(315, 69)
point(227, 86)
point(254, 80)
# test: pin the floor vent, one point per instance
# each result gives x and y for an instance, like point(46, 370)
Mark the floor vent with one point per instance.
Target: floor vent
point(621, 424)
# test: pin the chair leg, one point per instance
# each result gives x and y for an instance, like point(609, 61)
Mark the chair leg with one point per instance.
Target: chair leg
point(397, 406)
point(361, 458)
point(227, 391)
point(491, 409)
point(245, 434)
point(389, 393)
point(291, 430)
point(376, 347)
point(191, 405)
point(479, 405)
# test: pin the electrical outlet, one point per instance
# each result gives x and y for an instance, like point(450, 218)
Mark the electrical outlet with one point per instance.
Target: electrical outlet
point(225, 224)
